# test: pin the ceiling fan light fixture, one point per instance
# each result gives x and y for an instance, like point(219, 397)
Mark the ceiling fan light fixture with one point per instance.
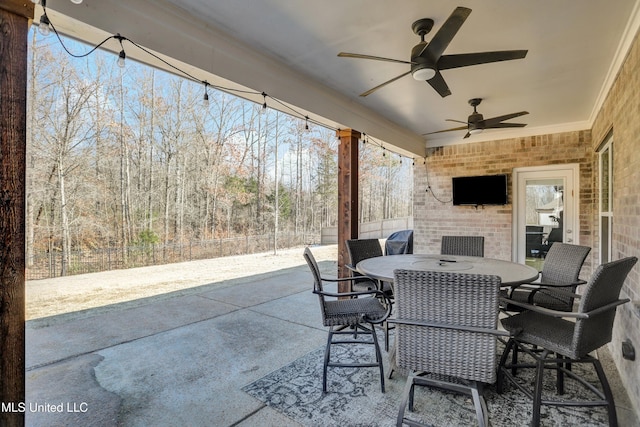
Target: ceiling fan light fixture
point(422, 74)
point(475, 131)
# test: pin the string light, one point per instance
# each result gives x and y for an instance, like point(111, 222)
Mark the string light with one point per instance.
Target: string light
point(46, 26)
point(205, 98)
point(122, 55)
point(44, 1)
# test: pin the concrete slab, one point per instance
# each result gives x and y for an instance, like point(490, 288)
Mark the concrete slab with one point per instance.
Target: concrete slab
point(268, 417)
point(194, 375)
point(302, 308)
point(258, 291)
point(48, 344)
point(67, 394)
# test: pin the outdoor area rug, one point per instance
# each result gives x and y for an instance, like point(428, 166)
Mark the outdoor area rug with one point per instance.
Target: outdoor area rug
point(354, 397)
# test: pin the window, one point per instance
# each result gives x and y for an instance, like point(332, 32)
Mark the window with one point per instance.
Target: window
point(606, 199)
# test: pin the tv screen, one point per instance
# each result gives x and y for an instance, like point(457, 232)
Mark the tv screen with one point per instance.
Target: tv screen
point(480, 190)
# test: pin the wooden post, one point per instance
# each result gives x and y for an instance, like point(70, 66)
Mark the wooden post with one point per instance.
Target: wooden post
point(14, 27)
point(347, 198)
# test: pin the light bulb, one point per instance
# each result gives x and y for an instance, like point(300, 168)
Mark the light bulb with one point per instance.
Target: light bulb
point(424, 74)
point(205, 97)
point(76, 1)
point(264, 103)
point(121, 57)
point(44, 27)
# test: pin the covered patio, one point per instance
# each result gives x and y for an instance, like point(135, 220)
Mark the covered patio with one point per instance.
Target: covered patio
point(581, 85)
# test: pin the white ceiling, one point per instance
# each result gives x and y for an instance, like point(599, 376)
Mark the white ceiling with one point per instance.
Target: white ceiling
point(288, 48)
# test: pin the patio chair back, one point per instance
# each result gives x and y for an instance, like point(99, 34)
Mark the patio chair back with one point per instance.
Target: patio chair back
point(317, 279)
point(561, 267)
point(462, 245)
point(563, 263)
point(361, 249)
point(456, 304)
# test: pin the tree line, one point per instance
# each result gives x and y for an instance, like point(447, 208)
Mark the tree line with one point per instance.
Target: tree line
point(133, 156)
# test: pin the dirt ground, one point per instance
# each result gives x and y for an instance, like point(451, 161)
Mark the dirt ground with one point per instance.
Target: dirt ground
point(50, 297)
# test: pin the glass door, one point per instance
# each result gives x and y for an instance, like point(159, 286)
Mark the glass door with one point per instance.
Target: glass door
point(545, 209)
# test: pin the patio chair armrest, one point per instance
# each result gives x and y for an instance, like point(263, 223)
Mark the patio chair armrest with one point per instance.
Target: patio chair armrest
point(545, 311)
point(491, 331)
point(336, 279)
point(607, 307)
point(559, 291)
point(374, 292)
point(527, 285)
point(560, 285)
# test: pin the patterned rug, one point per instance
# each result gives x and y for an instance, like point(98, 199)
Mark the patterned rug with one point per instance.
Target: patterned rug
point(354, 397)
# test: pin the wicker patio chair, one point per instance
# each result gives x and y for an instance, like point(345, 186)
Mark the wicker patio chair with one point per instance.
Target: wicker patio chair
point(348, 313)
point(361, 249)
point(541, 332)
point(446, 334)
point(462, 245)
point(557, 282)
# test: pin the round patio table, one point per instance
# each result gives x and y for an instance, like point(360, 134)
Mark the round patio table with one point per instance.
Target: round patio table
point(511, 273)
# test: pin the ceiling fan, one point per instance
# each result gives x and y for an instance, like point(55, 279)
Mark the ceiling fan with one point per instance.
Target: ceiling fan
point(427, 59)
point(477, 123)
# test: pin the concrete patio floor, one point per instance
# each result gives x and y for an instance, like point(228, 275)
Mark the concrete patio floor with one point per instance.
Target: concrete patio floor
point(174, 359)
point(179, 358)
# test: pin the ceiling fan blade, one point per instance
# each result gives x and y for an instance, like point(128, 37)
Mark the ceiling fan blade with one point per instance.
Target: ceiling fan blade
point(447, 130)
point(494, 120)
point(447, 32)
point(375, 58)
point(370, 91)
point(457, 121)
point(447, 62)
point(438, 83)
point(505, 125)
point(467, 135)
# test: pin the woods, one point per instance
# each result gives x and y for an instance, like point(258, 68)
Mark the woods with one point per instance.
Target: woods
point(133, 156)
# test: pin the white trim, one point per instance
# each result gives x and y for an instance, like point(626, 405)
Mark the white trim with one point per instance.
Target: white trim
point(628, 36)
point(502, 134)
point(607, 146)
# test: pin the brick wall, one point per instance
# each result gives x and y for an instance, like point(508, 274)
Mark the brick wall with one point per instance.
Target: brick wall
point(620, 114)
point(435, 216)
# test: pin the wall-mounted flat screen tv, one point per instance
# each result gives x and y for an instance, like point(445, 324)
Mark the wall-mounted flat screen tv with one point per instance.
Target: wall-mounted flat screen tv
point(480, 190)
